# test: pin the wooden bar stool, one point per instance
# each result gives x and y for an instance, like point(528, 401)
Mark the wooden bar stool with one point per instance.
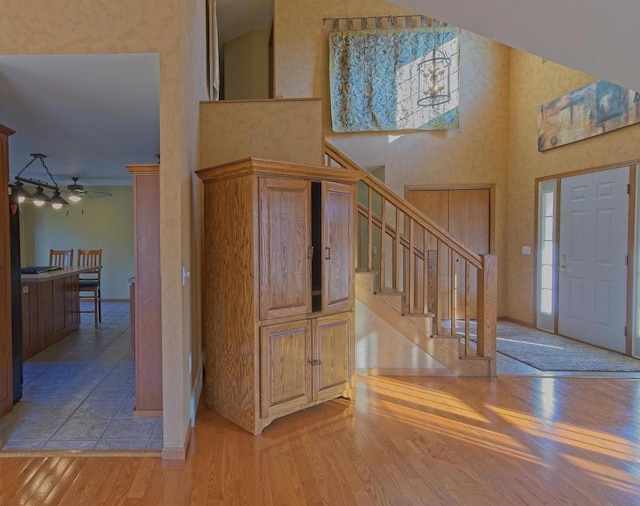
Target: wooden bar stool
point(89, 282)
point(60, 257)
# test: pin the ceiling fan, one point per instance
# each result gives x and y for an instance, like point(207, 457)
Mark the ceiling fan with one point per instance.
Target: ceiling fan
point(75, 192)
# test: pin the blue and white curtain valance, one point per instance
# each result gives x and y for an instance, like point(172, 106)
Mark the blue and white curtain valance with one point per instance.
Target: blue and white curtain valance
point(374, 79)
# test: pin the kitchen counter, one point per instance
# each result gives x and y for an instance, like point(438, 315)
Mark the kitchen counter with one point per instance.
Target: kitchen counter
point(50, 308)
point(58, 273)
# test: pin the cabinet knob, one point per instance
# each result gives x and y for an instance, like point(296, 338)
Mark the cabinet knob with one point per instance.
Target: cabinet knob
point(315, 361)
point(328, 250)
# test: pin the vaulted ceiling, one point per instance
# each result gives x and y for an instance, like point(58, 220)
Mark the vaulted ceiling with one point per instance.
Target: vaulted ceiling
point(597, 37)
point(93, 113)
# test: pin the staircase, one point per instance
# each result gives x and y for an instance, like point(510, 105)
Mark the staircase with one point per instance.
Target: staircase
point(423, 282)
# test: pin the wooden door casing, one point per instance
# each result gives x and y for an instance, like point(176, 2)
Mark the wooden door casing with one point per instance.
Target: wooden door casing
point(6, 346)
point(147, 325)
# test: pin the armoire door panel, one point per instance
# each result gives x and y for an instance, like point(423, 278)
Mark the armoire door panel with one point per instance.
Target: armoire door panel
point(285, 239)
point(337, 245)
point(285, 352)
point(333, 341)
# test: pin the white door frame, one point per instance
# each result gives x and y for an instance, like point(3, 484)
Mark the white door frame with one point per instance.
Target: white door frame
point(633, 274)
point(546, 264)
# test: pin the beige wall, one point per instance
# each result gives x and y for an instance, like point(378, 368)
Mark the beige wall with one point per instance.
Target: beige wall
point(181, 336)
point(534, 83)
point(475, 153)
point(175, 30)
point(104, 223)
point(284, 130)
point(246, 66)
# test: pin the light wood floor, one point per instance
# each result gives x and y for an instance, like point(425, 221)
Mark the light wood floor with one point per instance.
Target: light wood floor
point(413, 440)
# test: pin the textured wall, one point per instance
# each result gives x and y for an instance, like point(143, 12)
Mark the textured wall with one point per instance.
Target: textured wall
point(534, 83)
point(475, 153)
point(246, 66)
point(285, 130)
point(175, 30)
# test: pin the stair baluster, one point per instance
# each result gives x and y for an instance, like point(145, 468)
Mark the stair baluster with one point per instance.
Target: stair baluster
point(422, 292)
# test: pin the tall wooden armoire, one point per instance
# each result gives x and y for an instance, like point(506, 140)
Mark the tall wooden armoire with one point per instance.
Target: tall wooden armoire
point(278, 288)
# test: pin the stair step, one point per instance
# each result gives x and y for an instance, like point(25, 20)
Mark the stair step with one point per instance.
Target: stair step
point(387, 290)
point(475, 357)
point(389, 304)
point(406, 312)
point(366, 278)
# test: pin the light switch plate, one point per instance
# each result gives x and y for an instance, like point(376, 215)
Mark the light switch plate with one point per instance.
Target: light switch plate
point(526, 250)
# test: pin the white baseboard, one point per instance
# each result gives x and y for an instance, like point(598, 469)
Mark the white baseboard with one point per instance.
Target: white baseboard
point(177, 453)
point(181, 453)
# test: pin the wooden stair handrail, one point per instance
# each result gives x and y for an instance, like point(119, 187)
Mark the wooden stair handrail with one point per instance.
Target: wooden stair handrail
point(486, 265)
point(390, 231)
point(407, 208)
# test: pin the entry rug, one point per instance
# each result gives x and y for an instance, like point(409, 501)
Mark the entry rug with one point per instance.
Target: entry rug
point(550, 352)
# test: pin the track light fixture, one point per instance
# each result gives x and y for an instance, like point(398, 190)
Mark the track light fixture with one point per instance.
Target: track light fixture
point(39, 197)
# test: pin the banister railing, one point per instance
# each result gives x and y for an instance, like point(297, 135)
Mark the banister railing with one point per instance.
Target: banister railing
point(438, 276)
point(409, 209)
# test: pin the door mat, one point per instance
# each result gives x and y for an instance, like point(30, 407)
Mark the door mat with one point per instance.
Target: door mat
point(550, 352)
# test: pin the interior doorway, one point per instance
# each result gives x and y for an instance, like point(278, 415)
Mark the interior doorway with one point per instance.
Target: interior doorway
point(123, 91)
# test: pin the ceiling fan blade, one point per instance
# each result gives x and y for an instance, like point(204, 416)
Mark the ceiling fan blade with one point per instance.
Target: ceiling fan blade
point(97, 195)
point(79, 191)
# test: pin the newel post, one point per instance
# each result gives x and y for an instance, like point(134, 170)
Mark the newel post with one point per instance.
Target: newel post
point(488, 310)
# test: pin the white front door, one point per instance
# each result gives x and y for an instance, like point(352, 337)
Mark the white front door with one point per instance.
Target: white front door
point(592, 280)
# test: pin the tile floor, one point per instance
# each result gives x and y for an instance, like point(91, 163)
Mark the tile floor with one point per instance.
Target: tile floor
point(79, 394)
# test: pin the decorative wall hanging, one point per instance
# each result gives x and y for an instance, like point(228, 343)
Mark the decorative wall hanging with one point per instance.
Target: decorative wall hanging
point(592, 110)
point(394, 79)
